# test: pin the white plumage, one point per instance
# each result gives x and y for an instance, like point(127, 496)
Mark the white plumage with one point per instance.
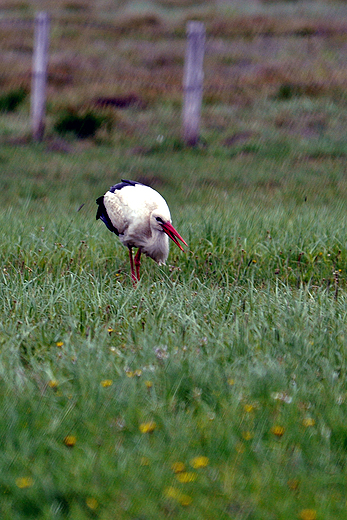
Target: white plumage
point(141, 218)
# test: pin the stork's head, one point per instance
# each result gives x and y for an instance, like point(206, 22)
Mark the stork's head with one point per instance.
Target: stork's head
point(161, 221)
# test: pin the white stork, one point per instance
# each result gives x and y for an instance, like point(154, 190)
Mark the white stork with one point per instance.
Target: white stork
point(141, 218)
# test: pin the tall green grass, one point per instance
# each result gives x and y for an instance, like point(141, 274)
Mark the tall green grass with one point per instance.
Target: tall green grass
point(235, 351)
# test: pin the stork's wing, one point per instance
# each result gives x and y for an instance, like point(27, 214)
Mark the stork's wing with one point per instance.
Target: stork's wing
point(115, 209)
point(103, 214)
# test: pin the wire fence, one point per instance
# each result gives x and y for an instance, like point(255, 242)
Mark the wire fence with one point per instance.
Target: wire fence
point(90, 60)
point(237, 55)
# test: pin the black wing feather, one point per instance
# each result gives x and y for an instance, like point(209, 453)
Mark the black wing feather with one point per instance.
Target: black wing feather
point(102, 215)
point(123, 184)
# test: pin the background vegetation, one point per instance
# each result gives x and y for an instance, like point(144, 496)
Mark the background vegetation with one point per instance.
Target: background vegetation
point(217, 387)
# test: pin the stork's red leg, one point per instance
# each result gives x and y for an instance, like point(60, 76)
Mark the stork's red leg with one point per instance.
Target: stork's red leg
point(133, 275)
point(138, 262)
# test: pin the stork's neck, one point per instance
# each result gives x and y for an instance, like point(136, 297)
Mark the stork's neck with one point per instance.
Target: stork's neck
point(157, 246)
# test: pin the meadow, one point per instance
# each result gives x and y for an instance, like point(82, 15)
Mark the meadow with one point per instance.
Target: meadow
point(216, 388)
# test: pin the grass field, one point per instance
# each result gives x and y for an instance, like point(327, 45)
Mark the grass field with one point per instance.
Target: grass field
point(217, 387)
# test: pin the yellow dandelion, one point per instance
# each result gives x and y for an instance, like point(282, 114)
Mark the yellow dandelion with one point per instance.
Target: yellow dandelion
point(130, 373)
point(247, 435)
point(178, 467)
point(277, 430)
point(185, 500)
point(60, 343)
point(110, 330)
point(24, 482)
point(148, 384)
point(172, 492)
point(106, 382)
point(92, 503)
point(248, 408)
point(231, 381)
point(199, 462)
point(70, 441)
point(186, 476)
point(147, 427)
point(53, 383)
point(308, 514)
point(138, 372)
point(308, 422)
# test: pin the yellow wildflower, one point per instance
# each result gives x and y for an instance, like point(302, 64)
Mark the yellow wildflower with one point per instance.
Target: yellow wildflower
point(186, 476)
point(277, 430)
point(199, 462)
point(248, 408)
point(231, 381)
point(308, 514)
point(148, 384)
point(53, 383)
point(59, 344)
point(172, 492)
point(92, 503)
point(110, 330)
point(24, 482)
point(185, 500)
point(70, 441)
point(138, 372)
point(178, 467)
point(147, 427)
point(308, 422)
point(106, 382)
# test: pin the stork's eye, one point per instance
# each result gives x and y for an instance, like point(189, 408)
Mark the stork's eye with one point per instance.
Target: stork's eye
point(160, 220)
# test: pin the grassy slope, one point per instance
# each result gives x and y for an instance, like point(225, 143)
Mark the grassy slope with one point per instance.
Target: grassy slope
point(235, 351)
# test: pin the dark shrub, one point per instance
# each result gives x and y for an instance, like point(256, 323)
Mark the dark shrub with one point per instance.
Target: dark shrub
point(9, 101)
point(83, 125)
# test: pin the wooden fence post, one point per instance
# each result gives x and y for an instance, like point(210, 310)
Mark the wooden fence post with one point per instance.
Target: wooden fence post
point(39, 75)
point(193, 81)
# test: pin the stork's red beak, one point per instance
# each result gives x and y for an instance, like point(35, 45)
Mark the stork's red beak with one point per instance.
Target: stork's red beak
point(172, 233)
